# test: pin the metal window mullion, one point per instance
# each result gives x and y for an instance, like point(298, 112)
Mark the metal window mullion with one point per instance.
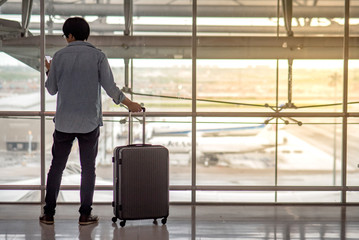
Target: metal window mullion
point(221, 188)
point(345, 100)
point(276, 108)
point(189, 114)
point(198, 114)
point(194, 102)
point(42, 101)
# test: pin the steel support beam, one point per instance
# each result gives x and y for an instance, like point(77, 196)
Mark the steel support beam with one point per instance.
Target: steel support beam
point(190, 114)
point(173, 10)
point(199, 188)
point(25, 15)
point(102, 28)
point(179, 47)
point(345, 103)
point(288, 15)
point(128, 8)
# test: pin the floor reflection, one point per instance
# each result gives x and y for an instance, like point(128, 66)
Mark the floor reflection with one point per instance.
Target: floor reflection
point(47, 232)
point(140, 232)
point(192, 223)
point(85, 232)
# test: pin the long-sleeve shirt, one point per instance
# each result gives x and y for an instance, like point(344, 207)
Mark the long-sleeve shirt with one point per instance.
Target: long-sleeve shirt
point(76, 74)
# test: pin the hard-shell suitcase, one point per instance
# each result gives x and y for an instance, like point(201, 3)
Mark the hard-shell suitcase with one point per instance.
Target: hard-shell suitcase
point(141, 181)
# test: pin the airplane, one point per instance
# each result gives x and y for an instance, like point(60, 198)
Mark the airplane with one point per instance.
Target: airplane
point(216, 141)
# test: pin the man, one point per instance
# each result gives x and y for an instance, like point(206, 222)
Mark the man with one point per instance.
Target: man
point(76, 75)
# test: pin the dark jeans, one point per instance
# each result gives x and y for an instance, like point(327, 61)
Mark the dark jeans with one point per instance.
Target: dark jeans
point(61, 148)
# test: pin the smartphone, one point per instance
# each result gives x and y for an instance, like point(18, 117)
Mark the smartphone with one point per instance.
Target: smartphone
point(48, 58)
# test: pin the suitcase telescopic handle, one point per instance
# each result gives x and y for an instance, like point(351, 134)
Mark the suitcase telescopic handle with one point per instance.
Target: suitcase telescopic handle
point(143, 126)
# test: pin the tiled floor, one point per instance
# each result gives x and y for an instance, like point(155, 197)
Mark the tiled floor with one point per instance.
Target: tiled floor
point(186, 222)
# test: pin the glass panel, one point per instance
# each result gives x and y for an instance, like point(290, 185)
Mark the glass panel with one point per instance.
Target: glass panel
point(236, 85)
point(306, 157)
point(74, 196)
point(317, 18)
point(353, 197)
point(314, 85)
point(353, 88)
point(352, 152)
point(19, 59)
point(233, 18)
point(19, 85)
point(235, 151)
point(162, 85)
point(354, 18)
point(13, 196)
point(180, 196)
point(20, 157)
point(305, 197)
point(234, 196)
point(161, 17)
point(20, 151)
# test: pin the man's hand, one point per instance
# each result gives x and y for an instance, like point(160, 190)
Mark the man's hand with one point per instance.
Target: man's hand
point(132, 106)
point(48, 63)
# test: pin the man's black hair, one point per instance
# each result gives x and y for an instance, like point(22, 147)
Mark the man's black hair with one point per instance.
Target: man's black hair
point(78, 27)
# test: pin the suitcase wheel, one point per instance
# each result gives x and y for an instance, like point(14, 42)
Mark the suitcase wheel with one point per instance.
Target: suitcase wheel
point(155, 221)
point(164, 221)
point(123, 223)
point(114, 219)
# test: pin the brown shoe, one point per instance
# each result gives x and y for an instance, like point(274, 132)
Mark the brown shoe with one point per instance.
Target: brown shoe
point(88, 219)
point(47, 219)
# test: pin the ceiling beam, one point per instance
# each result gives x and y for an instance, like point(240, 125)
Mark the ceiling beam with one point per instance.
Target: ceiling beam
point(179, 47)
point(141, 10)
point(100, 28)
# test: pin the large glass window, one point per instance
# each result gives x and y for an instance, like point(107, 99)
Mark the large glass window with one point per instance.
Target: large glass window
point(250, 101)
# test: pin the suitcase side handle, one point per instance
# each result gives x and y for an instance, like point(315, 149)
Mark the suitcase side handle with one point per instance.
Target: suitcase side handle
point(143, 126)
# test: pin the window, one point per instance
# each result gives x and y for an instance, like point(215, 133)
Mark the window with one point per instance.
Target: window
point(255, 101)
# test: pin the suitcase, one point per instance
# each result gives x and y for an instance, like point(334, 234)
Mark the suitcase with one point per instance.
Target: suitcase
point(140, 181)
